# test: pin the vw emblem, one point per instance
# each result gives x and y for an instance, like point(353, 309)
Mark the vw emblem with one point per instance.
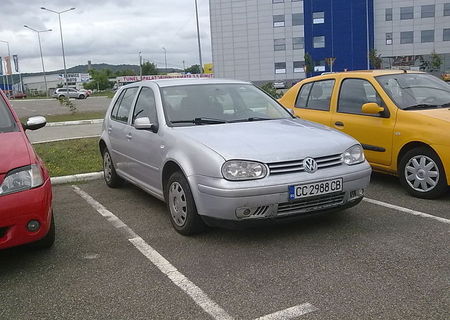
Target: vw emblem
point(310, 165)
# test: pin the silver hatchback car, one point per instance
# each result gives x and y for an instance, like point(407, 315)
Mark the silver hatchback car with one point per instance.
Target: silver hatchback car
point(224, 153)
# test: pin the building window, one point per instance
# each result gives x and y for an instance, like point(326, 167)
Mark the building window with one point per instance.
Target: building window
point(427, 36)
point(319, 42)
point(278, 20)
point(389, 38)
point(297, 19)
point(447, 9)
point(427, 11)
point(279, 44)
point(319, 66)
point(318, 17)
point(388, 14)
point(277, 1)
point(296, 0)
point(406, 37)
point(298, 43)
point(446, 35)
point(406, 13)
point(299, 66)
point(280, 67)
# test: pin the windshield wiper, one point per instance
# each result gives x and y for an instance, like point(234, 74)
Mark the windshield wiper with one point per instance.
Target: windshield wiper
point(422, 106)
point(251, 119)
point(198, 121)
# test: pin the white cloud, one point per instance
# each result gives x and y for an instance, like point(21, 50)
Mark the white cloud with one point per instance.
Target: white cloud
point(111, 31)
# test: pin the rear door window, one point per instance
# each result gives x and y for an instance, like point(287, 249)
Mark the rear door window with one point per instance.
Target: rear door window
point(124, 107)
point(317, 96)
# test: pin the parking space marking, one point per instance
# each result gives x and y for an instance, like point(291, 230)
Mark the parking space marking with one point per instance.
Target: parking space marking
point(196, 294)
point(180, 280)
point(290, 313)
point(406, 210)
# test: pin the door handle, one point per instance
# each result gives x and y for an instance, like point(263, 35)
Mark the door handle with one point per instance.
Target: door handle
point(339, 124)
point(129, 136)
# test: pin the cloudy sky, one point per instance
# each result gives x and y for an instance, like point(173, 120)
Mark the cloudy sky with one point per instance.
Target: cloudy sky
point(109, 31)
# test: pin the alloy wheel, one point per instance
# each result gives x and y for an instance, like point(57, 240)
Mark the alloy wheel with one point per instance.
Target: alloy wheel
point(422, 173)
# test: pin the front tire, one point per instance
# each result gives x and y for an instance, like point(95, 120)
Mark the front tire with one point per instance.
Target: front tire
point(181, 206)
point(421, 172)
point(112, 179)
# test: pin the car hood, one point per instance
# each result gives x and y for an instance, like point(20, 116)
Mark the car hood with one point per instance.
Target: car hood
point(14, 151)
point(269, 141)
point(441, 114)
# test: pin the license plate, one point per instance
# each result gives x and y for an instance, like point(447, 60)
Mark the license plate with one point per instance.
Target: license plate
point(315, 189)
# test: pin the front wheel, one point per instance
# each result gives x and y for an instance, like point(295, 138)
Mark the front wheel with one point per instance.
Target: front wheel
point(181, 205)
point(422, 173)
point(112, 179)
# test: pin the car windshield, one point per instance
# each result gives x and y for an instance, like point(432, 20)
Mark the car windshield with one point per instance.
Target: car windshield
point(189, 105)
point(414, 91)
point(7, 123)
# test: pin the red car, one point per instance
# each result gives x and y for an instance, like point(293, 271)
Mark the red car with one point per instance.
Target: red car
point(25, 190)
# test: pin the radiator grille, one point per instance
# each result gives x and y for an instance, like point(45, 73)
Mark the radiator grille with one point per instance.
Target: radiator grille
point(297, 165)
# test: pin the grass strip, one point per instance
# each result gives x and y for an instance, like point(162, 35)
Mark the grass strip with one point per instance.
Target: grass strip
point(69, 157)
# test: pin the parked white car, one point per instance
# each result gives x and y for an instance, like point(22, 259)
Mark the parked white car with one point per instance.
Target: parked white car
point(71, 93)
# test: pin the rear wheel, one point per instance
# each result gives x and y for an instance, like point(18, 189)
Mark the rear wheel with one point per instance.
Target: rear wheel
point(422, 173)
point(82, 96)
point(110, 174)
point(181, 205)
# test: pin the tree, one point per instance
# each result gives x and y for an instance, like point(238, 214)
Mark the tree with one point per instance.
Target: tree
point(270, 89)
point(149, 69)
point(100, 80)
point(375, 59)
point(309, 64)
point(194, 69)
point(435, 62)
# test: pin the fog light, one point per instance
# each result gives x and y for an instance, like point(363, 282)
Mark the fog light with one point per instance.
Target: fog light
point(33, 225)
point(356, 194)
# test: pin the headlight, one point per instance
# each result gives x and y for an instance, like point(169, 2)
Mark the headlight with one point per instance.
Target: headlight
point(243, 170)
point(353, 155)
point(22, 179)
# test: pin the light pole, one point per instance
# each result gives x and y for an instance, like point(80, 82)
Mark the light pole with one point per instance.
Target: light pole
point(40, 50)
point(198, 39)
point(140, 65)
point(165, 57)
point(9, 62)
point(62, 42)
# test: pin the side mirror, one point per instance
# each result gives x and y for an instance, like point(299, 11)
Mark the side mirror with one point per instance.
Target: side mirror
point(35, 123)
point(371, 108)
point(145, 124)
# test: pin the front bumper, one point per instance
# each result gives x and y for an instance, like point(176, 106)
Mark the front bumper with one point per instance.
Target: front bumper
point(17, 209)
point(219, 199)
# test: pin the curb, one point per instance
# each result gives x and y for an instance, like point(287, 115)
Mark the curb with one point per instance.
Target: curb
point(73, 123)
point(77, 178)
point(66, 139)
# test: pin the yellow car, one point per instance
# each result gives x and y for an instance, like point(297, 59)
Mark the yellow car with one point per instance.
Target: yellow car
point(402, 120)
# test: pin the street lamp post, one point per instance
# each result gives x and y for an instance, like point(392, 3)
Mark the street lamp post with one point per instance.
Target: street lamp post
point(62, 42)
point(198, 39)
point(40, 50)
point(140, 65)
point(9, 57)
point(165, 58)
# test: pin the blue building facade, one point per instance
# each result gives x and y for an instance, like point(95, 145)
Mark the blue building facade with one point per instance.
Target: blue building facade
point(340, 29)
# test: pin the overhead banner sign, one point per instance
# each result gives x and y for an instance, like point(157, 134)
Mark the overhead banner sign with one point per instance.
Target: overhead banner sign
point(16, 62)
point(125, 79)
point(8, 65)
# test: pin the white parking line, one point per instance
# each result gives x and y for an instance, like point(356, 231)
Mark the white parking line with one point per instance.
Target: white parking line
point(197, 294)
point(290, 313)
point(406, 210)
point(181, 281)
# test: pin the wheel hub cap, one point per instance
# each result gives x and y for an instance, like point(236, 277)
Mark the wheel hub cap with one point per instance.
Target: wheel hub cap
point(177, 204)
point(422, 173)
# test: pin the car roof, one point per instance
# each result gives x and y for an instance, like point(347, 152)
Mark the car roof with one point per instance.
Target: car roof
point(364, 73)
point(190, 81)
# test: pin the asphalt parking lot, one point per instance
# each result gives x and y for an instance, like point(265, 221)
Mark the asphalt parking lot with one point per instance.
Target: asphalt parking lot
point(117, 257)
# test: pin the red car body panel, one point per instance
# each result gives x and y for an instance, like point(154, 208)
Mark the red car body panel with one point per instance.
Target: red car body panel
point(17, 209)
